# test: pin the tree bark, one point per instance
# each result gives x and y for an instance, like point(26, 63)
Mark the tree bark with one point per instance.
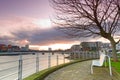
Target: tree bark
point(114, 55)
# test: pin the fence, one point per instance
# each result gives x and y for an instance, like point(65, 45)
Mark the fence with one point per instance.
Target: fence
point(18, 67)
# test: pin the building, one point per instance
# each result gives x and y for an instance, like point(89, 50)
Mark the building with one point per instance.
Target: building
point(91, 46)
point(118, 46)
point(3, 47)
point(15, 48)
point(106, 46)
point(12, 48)
point(75, 48)
point(26, 48)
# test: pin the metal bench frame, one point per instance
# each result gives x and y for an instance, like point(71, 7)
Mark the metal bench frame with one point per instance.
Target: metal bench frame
point(100, 62)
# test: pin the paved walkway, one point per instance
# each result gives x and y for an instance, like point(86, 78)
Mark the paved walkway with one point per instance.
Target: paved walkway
point(81, 71)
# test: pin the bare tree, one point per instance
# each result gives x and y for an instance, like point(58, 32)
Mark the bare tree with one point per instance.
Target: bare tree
point(85, 18)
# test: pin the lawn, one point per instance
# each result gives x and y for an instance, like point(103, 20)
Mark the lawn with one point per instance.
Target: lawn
point(116, 65)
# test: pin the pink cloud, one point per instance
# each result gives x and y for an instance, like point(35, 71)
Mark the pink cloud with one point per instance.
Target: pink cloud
point(17, 23)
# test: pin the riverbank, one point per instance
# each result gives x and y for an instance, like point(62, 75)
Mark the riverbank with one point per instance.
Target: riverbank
point(15, 53)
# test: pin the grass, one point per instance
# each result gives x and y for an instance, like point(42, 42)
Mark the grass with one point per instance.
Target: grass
point(42, 74)
point(116, 65)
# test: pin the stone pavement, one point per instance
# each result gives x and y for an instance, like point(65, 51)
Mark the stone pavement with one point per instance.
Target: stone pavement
point(81, 71)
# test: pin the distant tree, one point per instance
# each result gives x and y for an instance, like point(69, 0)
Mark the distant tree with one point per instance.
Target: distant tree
point(85, 18)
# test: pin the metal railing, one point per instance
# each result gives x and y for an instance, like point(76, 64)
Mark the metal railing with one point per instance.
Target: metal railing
point(17, 67)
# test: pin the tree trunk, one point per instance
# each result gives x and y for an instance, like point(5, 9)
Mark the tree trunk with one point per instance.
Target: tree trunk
point(114, 55)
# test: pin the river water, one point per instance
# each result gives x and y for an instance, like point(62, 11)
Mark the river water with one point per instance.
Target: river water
point(9, 65)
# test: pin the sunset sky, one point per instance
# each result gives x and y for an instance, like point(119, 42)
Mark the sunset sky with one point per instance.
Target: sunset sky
point(28, 22)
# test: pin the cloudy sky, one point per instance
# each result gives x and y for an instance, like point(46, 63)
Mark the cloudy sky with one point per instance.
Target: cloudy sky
point(28, 22)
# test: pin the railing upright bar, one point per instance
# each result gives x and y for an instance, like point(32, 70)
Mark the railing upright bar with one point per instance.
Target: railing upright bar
point(69, 57)
point(20, 67)
point(78, 54)
point(83, 55)
point(92, 55)
point(49, 60)
point(74, 54)
point(57, 60)
point(37, 62)
point(63, 58)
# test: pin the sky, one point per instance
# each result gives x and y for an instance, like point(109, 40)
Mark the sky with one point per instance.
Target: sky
point(28, 22)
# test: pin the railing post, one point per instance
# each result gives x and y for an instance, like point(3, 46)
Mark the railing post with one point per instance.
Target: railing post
point(92, 55)
point(70, 56)
point(37, 62)
point(20, 67)
point(83, 55)
point(63, 58)
point(79, 54)
point(57, 60)
point(98, 54)
point(74, 55)
point(49, 61)
point(49, 58)
point(88, 55)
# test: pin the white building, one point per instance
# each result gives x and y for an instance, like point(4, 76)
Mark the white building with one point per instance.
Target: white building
point(76, 48)
point(26, 48)
point(91, 45)
point(106, 45)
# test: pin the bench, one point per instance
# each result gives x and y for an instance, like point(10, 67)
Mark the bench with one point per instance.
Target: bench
point(100, 62)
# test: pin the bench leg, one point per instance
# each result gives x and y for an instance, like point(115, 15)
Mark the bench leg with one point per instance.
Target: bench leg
point(110, 66)
point(91, 69)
